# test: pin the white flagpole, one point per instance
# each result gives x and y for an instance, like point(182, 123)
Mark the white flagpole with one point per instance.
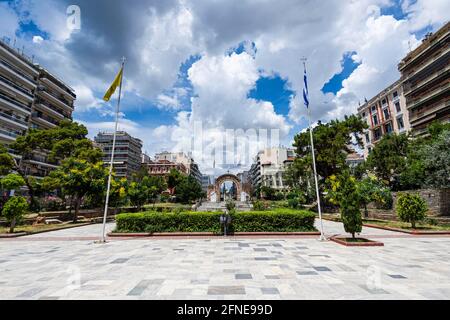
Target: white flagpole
point(111, 165)
point(322, 235)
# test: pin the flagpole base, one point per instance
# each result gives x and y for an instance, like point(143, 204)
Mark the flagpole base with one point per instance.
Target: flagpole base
point(322, 238)
point(101, 241)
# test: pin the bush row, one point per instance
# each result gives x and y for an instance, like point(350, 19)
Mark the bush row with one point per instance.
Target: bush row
point(254, 221)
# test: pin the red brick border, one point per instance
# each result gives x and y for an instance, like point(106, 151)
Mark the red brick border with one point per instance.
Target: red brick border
point(22, 234)
point(371, 243)
point(413, 232)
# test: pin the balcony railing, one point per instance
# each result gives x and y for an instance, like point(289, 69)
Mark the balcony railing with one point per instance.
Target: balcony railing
point(16, 70)
point(15, 102)
point(12, 118)
point(8, 133)
point(26, 92)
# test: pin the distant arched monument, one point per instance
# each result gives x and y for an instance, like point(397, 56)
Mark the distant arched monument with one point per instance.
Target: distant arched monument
point(214, 192)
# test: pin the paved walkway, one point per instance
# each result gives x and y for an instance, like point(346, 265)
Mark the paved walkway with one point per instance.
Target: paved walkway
point(407, 267)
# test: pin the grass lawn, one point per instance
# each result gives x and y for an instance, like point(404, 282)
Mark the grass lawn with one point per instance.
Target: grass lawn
point(395, 224)
point(40, 227)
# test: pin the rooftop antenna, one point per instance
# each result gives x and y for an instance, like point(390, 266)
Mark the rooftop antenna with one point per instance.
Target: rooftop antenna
point(409, 45)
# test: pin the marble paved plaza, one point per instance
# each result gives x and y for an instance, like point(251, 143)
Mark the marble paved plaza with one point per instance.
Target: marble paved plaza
point(68, 265)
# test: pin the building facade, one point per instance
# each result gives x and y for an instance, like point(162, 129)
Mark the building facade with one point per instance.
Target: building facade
point(269, 167)
point(181, 158)
point(163, 168)
point(385, 113)
point(127, 153)
point(30, 97)
point(426, 81)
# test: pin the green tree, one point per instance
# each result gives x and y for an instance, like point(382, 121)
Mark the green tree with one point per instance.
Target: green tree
point(370, 190)
point(388, 159)
point(343, 190)
point(411, 208)
point(12, 182)
point(14, 210)
point(268, 193)
point(68, 139)
point(6, 161)
point(331, 142)
point(174, 179)
point(436, 161)
point(79, 178)
point(189, 190)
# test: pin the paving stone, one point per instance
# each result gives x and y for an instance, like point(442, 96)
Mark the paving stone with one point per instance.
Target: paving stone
point(397, 276)
point(139, 289)
point(270, 291)
point(243, 276)
point(322, 269)
point(259, 249)
point(307, 273)
point(120, 260)
point(226, 290)
point(30, 293)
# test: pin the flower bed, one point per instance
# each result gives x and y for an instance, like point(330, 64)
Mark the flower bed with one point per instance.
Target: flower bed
point(253, 221)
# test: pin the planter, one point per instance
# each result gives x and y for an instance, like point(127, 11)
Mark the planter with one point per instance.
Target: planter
point(413, 232)
point(12, 235)
point(363, 242)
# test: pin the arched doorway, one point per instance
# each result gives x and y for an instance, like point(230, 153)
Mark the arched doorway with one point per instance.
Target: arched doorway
point(227, 186)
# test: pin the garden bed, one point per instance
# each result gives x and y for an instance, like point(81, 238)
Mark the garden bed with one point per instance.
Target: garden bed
point(278, 221)
point(21, 231)
point(356, 242)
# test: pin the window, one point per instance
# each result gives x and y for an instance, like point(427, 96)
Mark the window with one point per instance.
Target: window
point(384, 102)
point(386, 113)
point(374, 108)
point(400, 123)
point(388, 127)
point(377, 134)
point(369, 149)
point(395, 95)
point(367, 138)
point(375, 120)
point(363, 114)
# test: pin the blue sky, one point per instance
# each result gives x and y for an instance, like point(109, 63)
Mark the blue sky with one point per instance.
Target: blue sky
point(187, 37)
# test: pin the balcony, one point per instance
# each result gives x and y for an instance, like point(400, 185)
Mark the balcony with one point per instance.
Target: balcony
point(15, 90)
point(19, 61)
point(44, 121)
point(15, 72)
point(47, 108)
point(15, 121)
point(14, 104)
point(8, 134)
point(54, 99)
point(425, 81)
point(427, 64)
point(58, 88)
point(428, 96)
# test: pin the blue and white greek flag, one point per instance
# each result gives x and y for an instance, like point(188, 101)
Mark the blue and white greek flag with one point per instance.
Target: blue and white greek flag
point(305, 90)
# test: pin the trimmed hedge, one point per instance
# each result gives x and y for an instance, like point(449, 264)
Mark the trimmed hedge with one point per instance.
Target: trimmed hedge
point(265, 221)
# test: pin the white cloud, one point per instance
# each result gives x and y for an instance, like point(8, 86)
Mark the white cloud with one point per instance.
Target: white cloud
point(38, 39)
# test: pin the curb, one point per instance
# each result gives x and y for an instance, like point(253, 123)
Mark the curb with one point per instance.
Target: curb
point(413, 232)
point(371, 243)
point(22, 234)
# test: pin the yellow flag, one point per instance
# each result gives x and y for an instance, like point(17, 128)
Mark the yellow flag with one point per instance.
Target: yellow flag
point(114, 85)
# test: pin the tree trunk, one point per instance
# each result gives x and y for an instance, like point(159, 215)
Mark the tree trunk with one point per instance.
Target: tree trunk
point(12, 225)
point(70, 205)
point(77, 209)
point(366, 212)
point(413, 223)
point(353, 235)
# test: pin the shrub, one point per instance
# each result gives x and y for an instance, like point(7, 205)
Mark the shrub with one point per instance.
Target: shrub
point(411, 208)
point(294, 203)
point(281, 220)
point(279, 196)
point(258, 205)
point(13, 211)
point(230, 205)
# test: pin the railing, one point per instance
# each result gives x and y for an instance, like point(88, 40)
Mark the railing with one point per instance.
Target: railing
point(57, 97)
point(13, 68)
point(48, 105)
point(8, 133)
point(15, 102)
point(15, 119)
point(15, 86)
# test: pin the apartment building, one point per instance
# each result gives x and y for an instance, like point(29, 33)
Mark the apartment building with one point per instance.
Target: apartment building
point(181, 158)
point(30, 97)
point(269, 167)
point(426, 81)
point(127, 153)
point(385, 113)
